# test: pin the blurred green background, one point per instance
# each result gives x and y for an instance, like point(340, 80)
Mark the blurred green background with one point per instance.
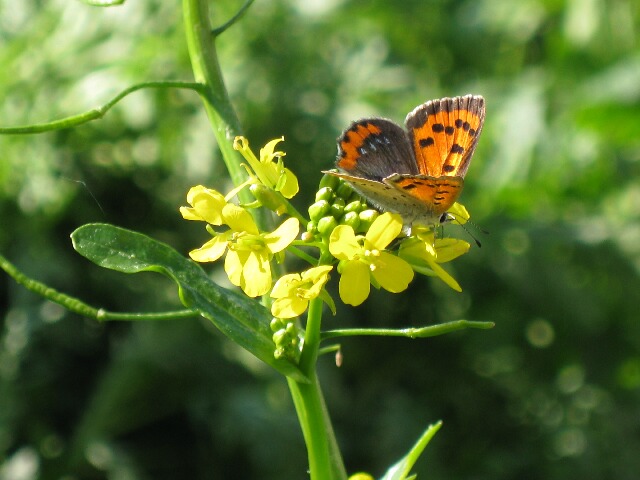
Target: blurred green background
point(552, 392)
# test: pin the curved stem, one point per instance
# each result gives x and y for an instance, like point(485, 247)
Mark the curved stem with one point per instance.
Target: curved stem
point(96, 113)
point(78, 306)
point(217, 31)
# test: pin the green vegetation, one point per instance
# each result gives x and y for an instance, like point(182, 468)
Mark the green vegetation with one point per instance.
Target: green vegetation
point(552, 392)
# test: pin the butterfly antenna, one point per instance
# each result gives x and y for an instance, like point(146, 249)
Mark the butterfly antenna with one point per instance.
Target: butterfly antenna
point(450, 216)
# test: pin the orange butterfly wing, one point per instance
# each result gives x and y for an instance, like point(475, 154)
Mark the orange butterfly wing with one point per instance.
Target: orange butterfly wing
point(444, 134)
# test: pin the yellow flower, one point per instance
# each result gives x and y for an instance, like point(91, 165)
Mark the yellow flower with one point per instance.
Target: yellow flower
point(249, 252)
point(364, 260)
point(425, 254)
point(269, 169)
point(206, 205)
point(294, 291)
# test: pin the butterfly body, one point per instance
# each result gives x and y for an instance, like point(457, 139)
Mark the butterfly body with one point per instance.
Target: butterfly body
point(419, 172)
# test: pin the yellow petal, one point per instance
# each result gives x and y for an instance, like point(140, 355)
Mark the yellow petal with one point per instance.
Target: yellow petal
point(288, 307)
point(285, 285)
point(267, 152)
point(448, 249)
point(282, 236)
point(210, 251)
point(343, 243)
point(317, 274)
point(207, 205)
point(189, 213)
point(444, 276)
point(238, 219)
point(233, 265)
point(289, 187)
point(354, 283)
point(383, 231)
point(416, 250)
point(256, 275)
point(459, 213)
point(392, 273)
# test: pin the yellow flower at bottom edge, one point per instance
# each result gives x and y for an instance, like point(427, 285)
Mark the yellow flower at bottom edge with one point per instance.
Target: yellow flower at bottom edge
point(364, 258)
point(294, 291)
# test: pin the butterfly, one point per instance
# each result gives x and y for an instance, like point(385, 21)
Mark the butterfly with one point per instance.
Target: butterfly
point(419, 172)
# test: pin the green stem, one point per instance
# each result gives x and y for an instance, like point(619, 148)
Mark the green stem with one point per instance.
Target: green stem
point(325, 460)
point(78, 306)
point(222, 116)
point(206, 71)
point(423, 332)
point(96, 113)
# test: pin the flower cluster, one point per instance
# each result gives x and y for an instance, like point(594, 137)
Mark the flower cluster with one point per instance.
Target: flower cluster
point(369, 248)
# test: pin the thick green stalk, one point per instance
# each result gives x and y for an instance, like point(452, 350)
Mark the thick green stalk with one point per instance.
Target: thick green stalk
point(325, 460)
point(206, 71)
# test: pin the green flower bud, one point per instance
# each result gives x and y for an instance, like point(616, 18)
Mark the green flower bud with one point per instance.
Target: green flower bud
point(337, 207)
point(354, 206)
point(269, 198)
point(326, 225)
point(276, 324)
point(292, 330)
point(306, 237)
point(325, 193)
point(312, 226)
point(344, 191)
point(366, 218)
point(329, 181)
point(280, 337)
point(352, 219)
point(319, 210)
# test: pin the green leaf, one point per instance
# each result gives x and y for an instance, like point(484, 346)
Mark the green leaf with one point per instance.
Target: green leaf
point(401, 470)
point(243, 320)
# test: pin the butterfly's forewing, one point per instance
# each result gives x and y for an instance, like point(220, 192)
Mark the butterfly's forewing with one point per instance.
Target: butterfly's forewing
point(444, 133)
point(374, 149)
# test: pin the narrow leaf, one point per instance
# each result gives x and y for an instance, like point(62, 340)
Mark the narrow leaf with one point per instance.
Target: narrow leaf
point(402, 469)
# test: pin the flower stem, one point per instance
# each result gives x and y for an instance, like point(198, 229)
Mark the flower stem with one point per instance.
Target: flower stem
point(422, 332)
point(325, 460)
point(78, 306)
point(206, 70)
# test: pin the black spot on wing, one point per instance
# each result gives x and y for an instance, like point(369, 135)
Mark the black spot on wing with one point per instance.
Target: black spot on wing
point(455, 148)
point(426, 142)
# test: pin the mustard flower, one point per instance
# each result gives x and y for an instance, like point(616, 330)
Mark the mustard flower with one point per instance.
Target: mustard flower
point(269, 168)
point(425, 254)
point(206, 205)
point(294, 291)
point(249, 251)
point(363, 259)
